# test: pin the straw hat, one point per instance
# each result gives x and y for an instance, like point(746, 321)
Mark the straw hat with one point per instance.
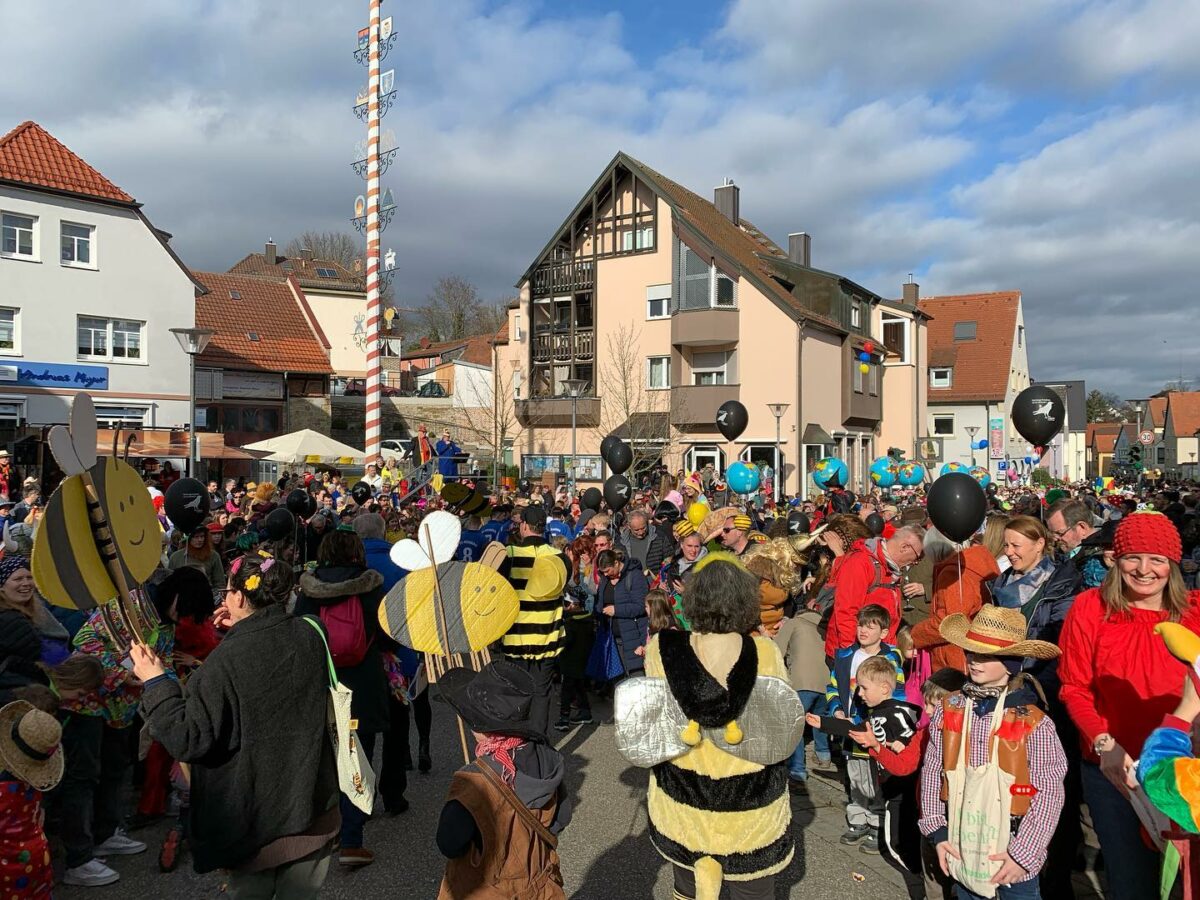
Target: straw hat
point(31, 745)
point(995, 631)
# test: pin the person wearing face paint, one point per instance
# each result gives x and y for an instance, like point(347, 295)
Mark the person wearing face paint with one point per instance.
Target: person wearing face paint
point(1119, 680)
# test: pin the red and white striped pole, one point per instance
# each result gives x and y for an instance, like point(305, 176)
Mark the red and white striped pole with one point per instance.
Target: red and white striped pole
point(374, 398)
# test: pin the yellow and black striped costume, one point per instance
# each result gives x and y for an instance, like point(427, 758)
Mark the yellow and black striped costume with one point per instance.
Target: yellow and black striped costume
point(538, 631)
point(721, 816)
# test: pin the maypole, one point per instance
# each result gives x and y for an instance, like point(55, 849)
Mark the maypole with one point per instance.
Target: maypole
point(370, 214)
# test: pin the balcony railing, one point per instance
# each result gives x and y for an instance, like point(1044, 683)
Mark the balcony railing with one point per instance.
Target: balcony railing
point(550, 346)
point(556, 411)
point(697, 404)
point(557, 278)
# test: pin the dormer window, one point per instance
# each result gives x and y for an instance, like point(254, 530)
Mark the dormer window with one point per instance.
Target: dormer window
point(964, 331)
point(941, 377)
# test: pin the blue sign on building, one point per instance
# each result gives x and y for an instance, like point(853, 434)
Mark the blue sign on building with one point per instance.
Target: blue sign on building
point(51, 375)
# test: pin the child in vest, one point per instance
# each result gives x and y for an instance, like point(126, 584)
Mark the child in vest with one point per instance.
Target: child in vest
point(499, 827)
point(992, 779)
point(862, 816)
point(31, 761)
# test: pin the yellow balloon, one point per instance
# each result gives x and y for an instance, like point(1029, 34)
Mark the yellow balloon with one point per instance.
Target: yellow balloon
point(864, 368)
point(696, 513)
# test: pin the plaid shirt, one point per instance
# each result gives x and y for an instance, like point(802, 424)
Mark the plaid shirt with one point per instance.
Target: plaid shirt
point(1047, 769)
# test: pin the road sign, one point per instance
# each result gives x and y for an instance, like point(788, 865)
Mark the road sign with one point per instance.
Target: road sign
point(1146, 437)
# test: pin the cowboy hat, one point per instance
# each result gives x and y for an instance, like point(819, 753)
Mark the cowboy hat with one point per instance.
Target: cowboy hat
point(31, 745)
point(995, 631)
point(495, 700)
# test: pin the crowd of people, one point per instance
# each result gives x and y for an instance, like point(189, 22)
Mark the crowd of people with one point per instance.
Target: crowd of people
point(982, 703)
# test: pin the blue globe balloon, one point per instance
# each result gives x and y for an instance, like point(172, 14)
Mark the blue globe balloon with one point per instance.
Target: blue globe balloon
point(953, 467)
point(883, 472)
point(830, 472)
point(742, 478)
point(982, 475)
point(911, 474)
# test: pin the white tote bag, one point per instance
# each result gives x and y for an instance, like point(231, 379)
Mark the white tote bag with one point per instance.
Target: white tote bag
point(355, 776)
point(978, 810)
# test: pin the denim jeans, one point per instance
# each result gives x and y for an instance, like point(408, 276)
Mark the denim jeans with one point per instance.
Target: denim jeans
point(353, 818)
point(814, 702)
point(1132, 868)
point(1022, 890)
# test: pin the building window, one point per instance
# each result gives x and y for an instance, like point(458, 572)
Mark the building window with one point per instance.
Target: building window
point(1020, 336)
point(710, 368)
point(941, 377)
point(855, 314)
point(120, 416)
point(964, 331)
point(943, 425)
point(110, 339)
point(857, 372)
point(873, 381)
point(658, 372)
point(701, 284)
point(77, 245)
point(895, 338)
point(658, 301)
point(12, 413)
point(17, 236)
point(645, 239)
point(10, 337)
point(726, 290)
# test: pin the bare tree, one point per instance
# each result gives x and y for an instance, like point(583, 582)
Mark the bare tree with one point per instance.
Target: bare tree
point(644, 413)
point(339, 246)
point(452, 310)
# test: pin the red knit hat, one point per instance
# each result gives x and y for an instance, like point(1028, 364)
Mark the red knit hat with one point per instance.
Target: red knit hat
point(1148, 532)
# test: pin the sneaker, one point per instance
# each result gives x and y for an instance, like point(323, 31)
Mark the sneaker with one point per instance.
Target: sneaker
point(855, 833)
point(355, 857)
point(563, 723)
point(871, 844)
point(92, 873)
point(583, 717)
point(120, 844)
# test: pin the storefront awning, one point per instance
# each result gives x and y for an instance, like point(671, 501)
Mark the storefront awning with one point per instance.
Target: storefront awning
point(165, 444)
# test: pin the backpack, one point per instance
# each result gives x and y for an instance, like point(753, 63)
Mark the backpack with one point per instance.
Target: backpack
point(826, 596)
point(347, 632)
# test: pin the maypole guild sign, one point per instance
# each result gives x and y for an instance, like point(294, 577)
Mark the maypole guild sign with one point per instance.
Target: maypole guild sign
point(996, 438)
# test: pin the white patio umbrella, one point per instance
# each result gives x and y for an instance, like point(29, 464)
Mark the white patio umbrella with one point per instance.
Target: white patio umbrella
point(307, 447)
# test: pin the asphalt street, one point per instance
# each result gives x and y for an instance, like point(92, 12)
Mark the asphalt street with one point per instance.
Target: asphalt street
point(605, 852)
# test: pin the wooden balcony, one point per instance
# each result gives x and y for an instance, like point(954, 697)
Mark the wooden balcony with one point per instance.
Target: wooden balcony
point(704, 327)
point(549, 412)
point(697, 404)
point(562, 277)
point(552, 346)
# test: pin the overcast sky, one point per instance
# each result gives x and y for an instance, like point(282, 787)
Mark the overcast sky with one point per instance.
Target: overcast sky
point(1047, 146)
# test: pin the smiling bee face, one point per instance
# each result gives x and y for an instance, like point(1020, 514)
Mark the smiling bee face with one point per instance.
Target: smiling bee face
point(480, 607)
point(130, 515)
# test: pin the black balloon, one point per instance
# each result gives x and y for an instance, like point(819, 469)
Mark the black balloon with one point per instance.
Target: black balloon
point(617, 491)
point(875, 522)
point(186, 504)
point(278, 525)
point(526, 486)
point(956, 505)
point(732, 419)
point(620, 457)
point(1038, 414)
point(607, 444)
point(297, 502)
point(591, 498)
point(361, 492)
point(798, 523)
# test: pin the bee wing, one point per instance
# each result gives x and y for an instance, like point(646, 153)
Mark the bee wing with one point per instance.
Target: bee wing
point(64, 451)
point(83, 429)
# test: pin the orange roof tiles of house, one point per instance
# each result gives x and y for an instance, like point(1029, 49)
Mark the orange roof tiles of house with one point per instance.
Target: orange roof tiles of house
point(477, 348)
point(32, 157)
point(980, 366)
point(1183, 408)
point(1158, 412)
point(1103, 435)
point(304, 271)
point(274, 310)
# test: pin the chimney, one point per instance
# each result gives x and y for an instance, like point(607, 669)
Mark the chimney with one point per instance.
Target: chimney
point(424, 343)
point(306, 253)
point(912, 292)
point(800, 248)
point(727, 199)
point(269, 253)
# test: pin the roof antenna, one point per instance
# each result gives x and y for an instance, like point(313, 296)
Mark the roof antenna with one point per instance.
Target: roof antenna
point(910, 281)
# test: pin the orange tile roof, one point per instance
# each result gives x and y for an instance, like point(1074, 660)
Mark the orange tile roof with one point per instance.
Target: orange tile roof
point(31, 156)
point(1102, 436)
point(1183, 408)
point(477, 348)
point(1158, 412)
point(981, 367)
point(271, 308)
point(304, 270)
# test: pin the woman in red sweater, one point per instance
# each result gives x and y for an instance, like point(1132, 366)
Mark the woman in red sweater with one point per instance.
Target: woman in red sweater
point(1119, 680)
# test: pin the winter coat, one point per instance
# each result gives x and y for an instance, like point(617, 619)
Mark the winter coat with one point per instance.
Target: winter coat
point(861, 577)
point(448, 454)
point(20, 650)
point(379, 560)
point(629, 622)
point(803, 651)
point(212, 568)
point(253, 726)
point(955, 591)
point(1045, 615)
point(658, 546)
point(329, 586)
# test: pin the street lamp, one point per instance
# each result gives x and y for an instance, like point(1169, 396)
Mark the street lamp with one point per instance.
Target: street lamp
point(972, 430)
point(575, 388)
point(777, 410)
point(192, 341)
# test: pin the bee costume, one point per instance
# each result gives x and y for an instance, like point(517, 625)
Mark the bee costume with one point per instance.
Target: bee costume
point(718, 798)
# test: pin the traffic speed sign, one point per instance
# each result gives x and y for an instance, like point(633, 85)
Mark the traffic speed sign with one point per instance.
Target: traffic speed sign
point(1146, 437)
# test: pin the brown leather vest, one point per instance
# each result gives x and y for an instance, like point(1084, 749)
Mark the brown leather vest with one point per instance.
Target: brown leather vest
point(1012, 755)
point(514, 864)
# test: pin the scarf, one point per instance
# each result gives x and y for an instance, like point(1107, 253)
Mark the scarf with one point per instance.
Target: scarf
point(1013, 591)
point(501, 747)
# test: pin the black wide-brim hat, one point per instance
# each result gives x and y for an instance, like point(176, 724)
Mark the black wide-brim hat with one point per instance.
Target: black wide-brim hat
point(495, 700)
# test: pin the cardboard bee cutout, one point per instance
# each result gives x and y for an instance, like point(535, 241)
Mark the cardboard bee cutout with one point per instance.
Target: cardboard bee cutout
point(99, 538)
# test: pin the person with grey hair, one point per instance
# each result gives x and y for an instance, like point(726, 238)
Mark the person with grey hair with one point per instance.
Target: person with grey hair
point(645, 542)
